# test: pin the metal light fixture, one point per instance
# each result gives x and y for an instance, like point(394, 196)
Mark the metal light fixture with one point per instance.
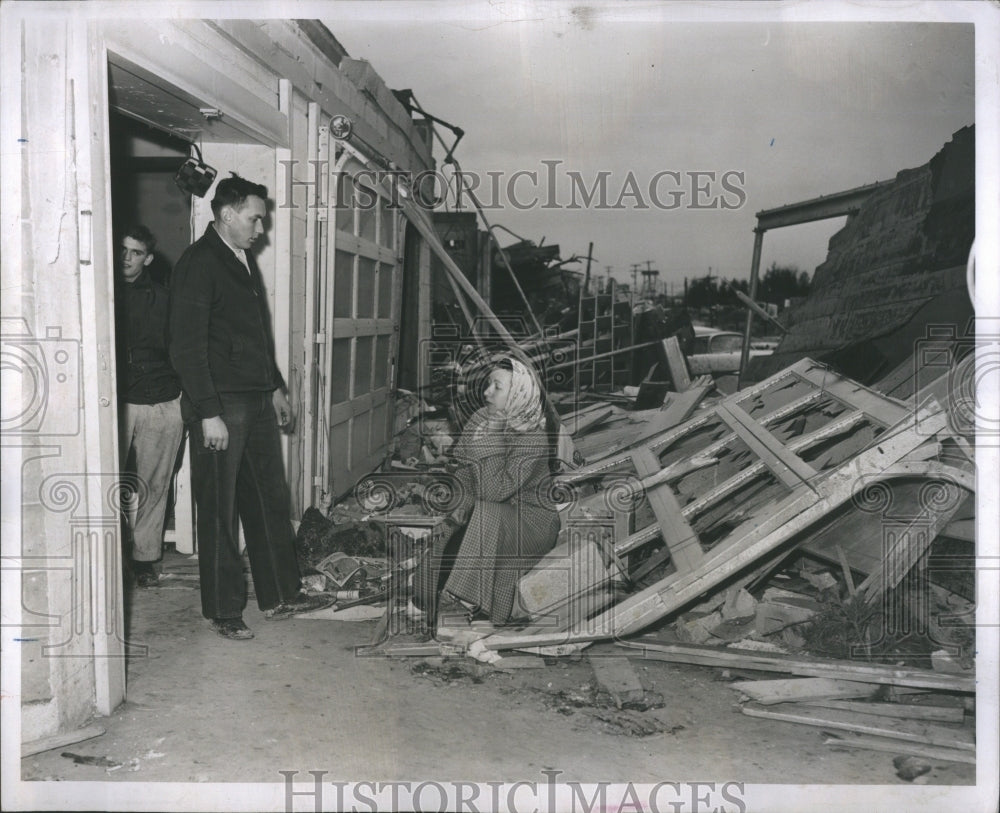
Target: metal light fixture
point(195, 177)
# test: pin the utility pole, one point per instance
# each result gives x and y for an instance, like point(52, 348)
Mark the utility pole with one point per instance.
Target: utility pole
point(649, 283)
point(635, 275)
point(586, 279)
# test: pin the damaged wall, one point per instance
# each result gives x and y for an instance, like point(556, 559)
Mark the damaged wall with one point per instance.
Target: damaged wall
point(897, 266)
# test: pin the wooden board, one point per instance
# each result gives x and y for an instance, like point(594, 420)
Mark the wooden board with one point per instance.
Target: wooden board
point(810, 667)
point(60, 740)
point(582, 424)
point(930, 733)
point(617, 677)
point(784, 690)
point(903, 711)
point(609, 440)
point(895, 746)
point(676, 364)
point(685, 549)
point(786, 466)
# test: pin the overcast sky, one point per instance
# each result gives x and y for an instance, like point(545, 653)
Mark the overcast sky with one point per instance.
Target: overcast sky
point(796, 109)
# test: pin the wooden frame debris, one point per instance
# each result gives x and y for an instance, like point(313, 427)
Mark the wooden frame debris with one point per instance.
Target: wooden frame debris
point(764, 466)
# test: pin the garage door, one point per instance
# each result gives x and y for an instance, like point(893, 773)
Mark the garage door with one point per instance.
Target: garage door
point(355, 311)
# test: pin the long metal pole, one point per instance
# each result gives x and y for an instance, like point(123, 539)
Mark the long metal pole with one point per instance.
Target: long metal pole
point(758, 243)
point(450, 159)
point(604, 355)
point(496, 242)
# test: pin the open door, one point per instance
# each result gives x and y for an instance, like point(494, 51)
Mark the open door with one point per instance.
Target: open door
point(353, 305)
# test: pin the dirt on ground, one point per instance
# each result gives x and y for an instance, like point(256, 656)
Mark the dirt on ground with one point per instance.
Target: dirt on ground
point(300, 696)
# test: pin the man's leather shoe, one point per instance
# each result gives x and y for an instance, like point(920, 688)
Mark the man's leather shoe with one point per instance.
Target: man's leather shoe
point(301, 603)
point(145, 575)
point(233, 628)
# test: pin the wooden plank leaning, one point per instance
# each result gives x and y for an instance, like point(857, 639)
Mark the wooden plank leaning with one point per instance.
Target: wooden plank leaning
point(676, 364)
point(680, 538)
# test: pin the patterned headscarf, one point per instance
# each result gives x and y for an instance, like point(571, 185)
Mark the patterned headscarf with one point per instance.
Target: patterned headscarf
point(523, 410)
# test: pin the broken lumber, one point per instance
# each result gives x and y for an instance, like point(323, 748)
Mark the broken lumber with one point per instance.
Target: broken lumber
point(617, 677)
point(742, 297)
point(43, 744)
point(411, 650)
point(905, 711)
point(778, 609)
point(939, 735)
point(519, 662)
point(893, 746)
point(846, 568)
point(674, 411)
point(784, 690)
point(811, 667)
point(685, 552)
point(584, 423)
point(676, 363)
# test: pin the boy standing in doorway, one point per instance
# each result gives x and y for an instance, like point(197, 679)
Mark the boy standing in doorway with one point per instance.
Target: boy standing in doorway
point(149, 391)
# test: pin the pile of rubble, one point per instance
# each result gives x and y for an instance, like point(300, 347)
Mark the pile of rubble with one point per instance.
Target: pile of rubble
point(795, 526)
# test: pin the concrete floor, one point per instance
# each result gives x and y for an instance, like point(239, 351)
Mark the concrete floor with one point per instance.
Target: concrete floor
point(202, 709)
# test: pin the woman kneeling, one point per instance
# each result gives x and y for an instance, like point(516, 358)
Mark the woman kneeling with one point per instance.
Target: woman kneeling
point(503, 457)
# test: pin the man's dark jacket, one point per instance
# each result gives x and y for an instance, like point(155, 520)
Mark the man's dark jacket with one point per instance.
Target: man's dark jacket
point(144, 372)
point(220, 335)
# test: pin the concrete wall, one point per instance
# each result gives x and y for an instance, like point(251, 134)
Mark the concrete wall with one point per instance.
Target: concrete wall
point(904, 250)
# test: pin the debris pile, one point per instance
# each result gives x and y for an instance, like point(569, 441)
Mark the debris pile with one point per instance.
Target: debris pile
point(811, 524)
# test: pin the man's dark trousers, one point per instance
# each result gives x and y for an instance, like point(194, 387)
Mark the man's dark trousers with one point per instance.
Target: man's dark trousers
point(247, 481)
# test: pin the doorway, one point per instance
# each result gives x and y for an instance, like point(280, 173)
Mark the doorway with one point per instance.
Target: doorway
point(144, 161)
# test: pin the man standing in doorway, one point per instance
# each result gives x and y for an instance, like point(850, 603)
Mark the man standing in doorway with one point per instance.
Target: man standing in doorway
point(150, 397)
point(233, 402)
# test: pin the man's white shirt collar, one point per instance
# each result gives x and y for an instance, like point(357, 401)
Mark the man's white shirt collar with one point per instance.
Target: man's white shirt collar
point(240, 253)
